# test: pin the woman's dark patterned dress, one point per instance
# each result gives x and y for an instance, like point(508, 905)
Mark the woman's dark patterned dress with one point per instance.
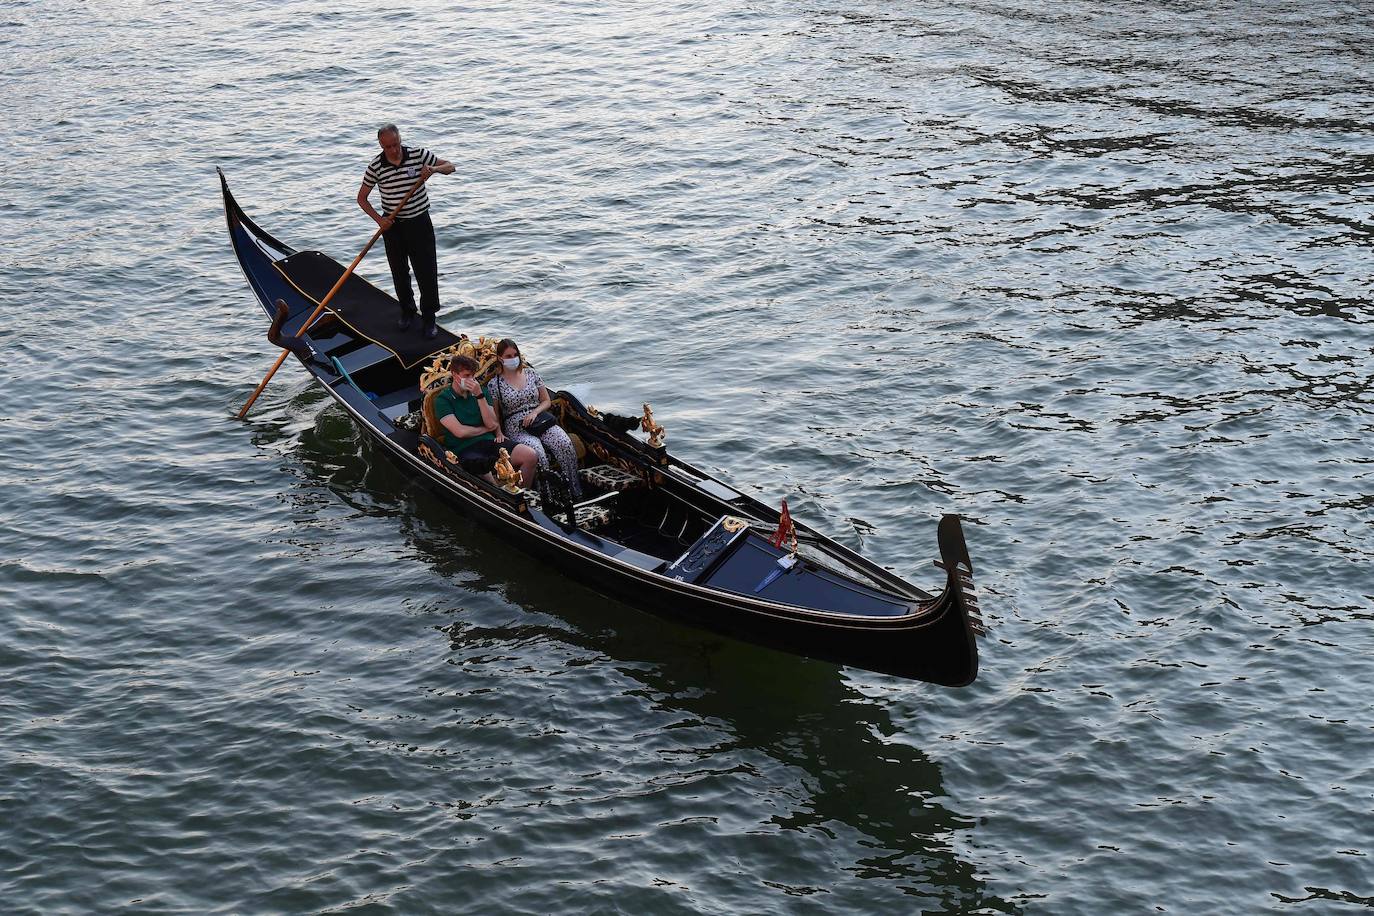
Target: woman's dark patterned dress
point(513, 404)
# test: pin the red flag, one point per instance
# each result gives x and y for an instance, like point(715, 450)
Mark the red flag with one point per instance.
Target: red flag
point(785, 532)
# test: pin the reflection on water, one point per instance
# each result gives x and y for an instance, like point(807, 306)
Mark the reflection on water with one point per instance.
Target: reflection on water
point(789, 729)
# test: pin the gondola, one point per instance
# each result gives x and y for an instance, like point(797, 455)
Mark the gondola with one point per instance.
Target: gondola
point(648, 528)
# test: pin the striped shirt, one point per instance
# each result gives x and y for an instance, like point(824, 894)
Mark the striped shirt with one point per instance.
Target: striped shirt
point(396, 180)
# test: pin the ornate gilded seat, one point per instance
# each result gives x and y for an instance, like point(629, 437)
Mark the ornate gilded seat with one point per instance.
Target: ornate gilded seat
point(432, 425)
point(437, 378)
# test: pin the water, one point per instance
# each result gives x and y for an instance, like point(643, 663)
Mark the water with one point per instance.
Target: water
point(1095, 276)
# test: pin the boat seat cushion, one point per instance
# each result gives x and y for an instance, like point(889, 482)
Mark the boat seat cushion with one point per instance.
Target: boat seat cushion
point(588, 517)
point(592, 516)
point(609, 477)
point(413, 421)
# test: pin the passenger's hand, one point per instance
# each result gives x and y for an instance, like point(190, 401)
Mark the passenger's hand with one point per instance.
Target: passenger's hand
point(526, 420)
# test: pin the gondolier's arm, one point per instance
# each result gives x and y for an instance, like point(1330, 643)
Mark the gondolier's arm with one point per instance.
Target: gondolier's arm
point(442, 167)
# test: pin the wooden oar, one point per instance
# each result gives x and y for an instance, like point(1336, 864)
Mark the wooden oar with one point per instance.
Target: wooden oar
point(330, 295)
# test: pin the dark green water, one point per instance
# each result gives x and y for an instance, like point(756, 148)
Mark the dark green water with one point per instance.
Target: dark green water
point(1095, 276)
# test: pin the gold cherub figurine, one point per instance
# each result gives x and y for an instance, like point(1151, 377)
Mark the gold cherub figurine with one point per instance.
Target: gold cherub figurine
point(506, 474)
point(655, 432)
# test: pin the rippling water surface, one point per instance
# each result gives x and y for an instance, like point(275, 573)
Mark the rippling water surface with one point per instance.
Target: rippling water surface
point(1094, 275)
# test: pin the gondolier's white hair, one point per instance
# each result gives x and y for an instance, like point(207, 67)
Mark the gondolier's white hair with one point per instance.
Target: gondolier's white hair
point(388, 129)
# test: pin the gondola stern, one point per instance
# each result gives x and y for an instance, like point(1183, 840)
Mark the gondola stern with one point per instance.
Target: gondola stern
point(234, 216)
point(231, 206)
point(232, 210)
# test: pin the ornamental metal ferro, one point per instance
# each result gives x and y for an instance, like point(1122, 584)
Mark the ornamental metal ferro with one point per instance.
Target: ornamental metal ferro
point(655, 432)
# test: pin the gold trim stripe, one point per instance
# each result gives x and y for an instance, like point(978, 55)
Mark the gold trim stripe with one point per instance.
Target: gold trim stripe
point(345, 323)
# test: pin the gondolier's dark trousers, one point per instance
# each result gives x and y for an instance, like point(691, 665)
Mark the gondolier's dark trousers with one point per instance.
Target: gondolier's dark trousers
point(412, 240)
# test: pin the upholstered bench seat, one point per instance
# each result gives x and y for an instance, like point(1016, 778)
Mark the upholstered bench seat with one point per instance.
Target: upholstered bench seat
point(592, 516)
point(609, 477)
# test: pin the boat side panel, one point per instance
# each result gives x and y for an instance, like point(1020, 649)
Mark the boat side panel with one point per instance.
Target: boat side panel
point(935, 646)
point(929, 647)
point(267, 283)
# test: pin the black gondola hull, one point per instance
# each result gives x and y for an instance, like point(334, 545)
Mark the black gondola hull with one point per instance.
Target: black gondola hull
point(935, 642)
point(938, 647)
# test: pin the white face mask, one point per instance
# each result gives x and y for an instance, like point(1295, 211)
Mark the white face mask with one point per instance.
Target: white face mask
point(513, 363)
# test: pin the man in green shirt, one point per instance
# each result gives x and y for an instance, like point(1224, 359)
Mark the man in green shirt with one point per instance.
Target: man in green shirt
point(471, 430)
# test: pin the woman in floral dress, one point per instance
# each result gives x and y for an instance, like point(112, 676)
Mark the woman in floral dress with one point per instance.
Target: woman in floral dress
point(520, 396)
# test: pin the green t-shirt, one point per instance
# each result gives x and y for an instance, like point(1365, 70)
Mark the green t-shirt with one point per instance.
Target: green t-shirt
point(466, 409)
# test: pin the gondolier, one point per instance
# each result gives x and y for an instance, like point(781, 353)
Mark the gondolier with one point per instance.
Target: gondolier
point(410, 239)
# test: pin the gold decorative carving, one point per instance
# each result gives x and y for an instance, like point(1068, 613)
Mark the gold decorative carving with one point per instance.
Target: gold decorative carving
point(436, 377)
point(506, 474)
point(656, 433)
point(484, 351)
point(732, 524)
point(428, 454)
point(604, 456)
